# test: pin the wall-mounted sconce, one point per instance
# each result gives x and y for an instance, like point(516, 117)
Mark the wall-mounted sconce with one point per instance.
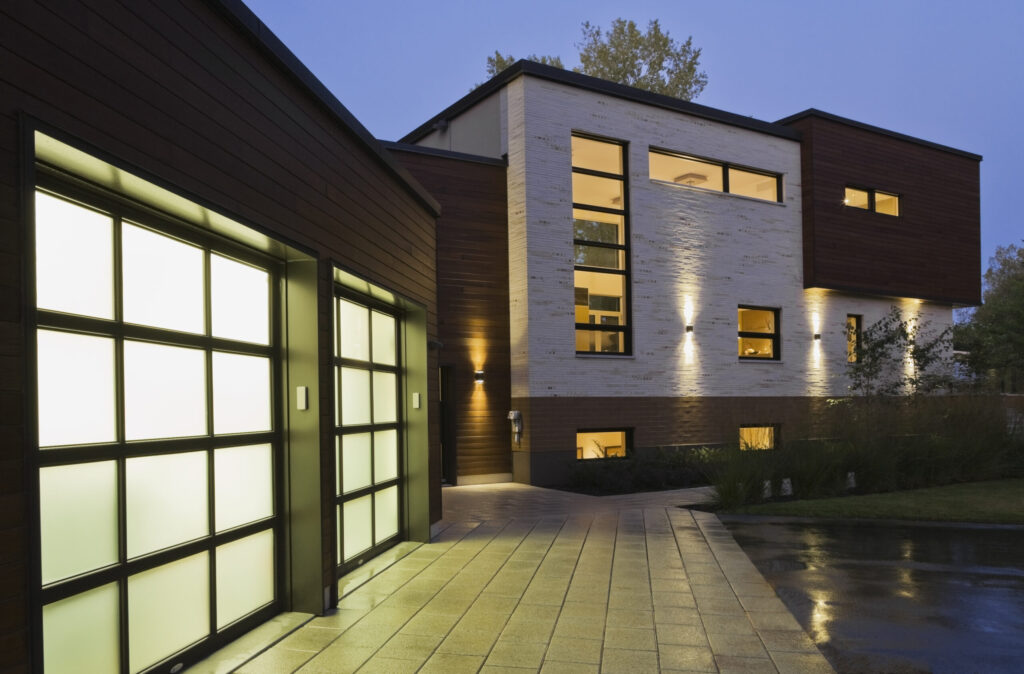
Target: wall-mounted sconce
point(817, 336)
point(478, 376)
point(689, 328)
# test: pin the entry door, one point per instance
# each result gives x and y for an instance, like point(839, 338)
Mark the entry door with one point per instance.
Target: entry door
point(368, 431)
point(157, 439)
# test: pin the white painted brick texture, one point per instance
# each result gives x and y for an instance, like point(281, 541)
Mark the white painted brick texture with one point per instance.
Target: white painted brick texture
point(713, 250)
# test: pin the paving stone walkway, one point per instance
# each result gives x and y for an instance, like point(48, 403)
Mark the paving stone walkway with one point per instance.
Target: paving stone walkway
point(526, 579)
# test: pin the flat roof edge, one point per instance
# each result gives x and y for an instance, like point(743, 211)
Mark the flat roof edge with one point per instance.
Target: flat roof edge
point(814, 112)
point(581, 81)
point(447, 154)
point(264, 38)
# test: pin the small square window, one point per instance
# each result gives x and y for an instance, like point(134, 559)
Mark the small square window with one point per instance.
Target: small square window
point(604, 444)
point(857, 198)
point(886, 203)
point(759, 437)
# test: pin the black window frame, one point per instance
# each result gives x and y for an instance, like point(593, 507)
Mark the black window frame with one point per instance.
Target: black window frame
point(776, 336)
point(872, 207)
point(725, 166)
point(625, 329)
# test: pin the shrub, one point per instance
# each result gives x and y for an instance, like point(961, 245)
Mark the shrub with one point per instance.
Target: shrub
point(646, 470)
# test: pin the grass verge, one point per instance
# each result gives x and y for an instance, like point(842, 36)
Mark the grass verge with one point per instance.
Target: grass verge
point(991, 502)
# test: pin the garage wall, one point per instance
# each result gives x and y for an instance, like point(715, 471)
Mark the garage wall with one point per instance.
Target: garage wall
point(190, 95)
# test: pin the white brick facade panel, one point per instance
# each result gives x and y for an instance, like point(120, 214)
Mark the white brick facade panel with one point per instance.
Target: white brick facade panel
point(689, 247)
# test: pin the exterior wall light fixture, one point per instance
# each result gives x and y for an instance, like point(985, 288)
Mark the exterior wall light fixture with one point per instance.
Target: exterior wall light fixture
point(689, 328)
point(478, 376)
point(817, 336)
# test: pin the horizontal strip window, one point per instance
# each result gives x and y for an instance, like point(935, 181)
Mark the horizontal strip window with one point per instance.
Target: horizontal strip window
point(886, 203)
point(754, 436)
point(603, 444)
point(681, 169)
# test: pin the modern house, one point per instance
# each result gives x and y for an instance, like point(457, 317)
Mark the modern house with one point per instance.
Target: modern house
point(677, 275)
point(243, 341)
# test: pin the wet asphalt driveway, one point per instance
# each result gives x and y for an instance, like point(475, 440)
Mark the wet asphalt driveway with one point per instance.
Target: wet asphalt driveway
point(897, 597)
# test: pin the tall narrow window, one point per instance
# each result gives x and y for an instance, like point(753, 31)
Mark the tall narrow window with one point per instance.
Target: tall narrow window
point(852, 337)
point(601, 251)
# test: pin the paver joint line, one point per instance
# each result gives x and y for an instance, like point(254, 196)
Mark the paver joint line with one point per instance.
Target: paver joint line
point(520, 576)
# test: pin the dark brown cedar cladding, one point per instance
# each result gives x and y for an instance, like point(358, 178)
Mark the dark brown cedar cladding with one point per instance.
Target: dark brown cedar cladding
point(472, 296)
point(931, 250)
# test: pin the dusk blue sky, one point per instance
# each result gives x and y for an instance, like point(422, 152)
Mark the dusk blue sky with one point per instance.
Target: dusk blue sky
point(948, 72)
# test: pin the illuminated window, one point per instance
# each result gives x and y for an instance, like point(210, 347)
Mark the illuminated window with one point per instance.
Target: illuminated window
point(758, 333)
point(602, 444)
point(853, 322)
point(886, 203)
point(758, 437)
point(600, 246)
point(855, 198)
point(712, 175)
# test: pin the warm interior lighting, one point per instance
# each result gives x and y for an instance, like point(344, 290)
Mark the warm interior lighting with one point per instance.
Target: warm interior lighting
point(600, 444)
point(478, 376)
point(757, 437)
point(856, 198)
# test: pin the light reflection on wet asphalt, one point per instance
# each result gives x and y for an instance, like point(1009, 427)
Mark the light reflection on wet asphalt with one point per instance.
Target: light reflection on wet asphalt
point(897, 598)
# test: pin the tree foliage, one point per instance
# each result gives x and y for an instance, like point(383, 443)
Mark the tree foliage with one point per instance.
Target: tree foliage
point(900, 356)
point(993, 337)
point(648, 60)
point(498, 62)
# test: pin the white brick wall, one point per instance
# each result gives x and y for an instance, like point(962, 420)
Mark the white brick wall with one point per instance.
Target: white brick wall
point(713, 250)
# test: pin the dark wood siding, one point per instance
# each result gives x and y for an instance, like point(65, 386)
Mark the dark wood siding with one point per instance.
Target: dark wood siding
point(176, 90)
point(932, 250)
point(472, 296)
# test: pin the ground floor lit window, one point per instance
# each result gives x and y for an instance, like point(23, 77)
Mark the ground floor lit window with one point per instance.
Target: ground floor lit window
point(759, 437)
point(603, 444)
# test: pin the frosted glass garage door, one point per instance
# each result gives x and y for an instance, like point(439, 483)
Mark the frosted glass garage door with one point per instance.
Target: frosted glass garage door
point(367, 448)
point(157, 438)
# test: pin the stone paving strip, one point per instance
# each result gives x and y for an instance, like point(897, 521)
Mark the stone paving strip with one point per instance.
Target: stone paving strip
point(609, 589)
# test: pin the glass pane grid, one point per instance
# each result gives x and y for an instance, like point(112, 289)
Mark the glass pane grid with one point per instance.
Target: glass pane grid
point(152, 385)
point(367, 419)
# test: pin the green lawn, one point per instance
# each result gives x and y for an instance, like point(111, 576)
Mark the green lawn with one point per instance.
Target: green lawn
point(997, 501)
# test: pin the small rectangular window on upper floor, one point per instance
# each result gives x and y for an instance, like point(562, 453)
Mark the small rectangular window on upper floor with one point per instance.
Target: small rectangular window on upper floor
point(716, 176)
point(886, 203)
